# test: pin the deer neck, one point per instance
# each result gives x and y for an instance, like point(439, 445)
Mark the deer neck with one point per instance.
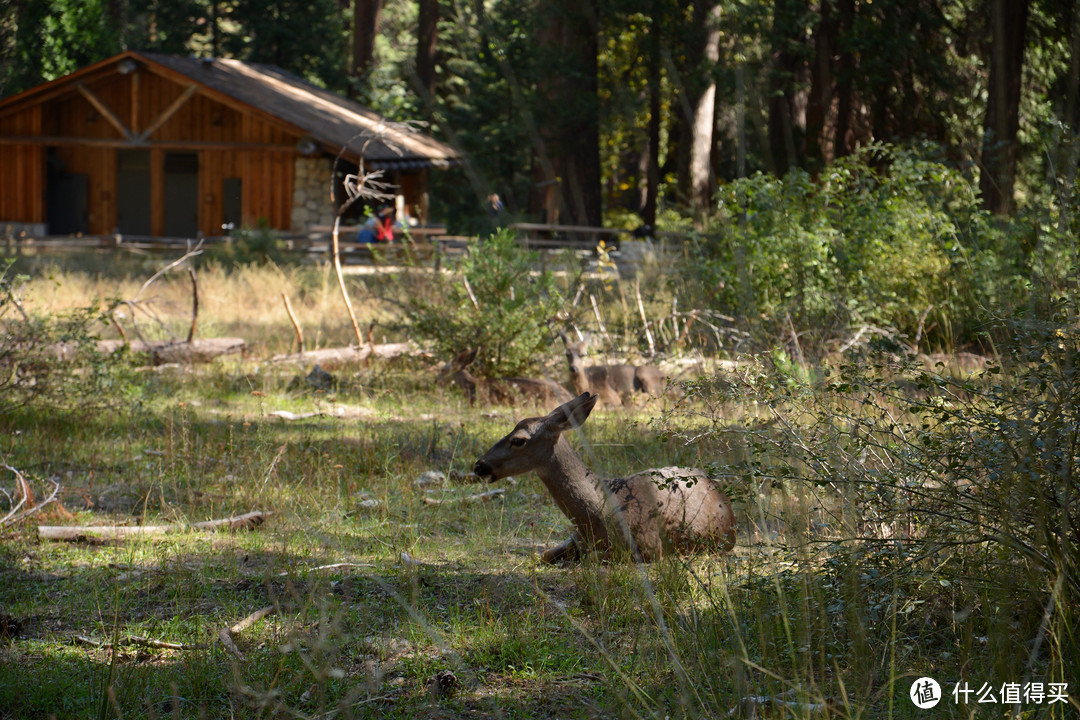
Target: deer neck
point(577, 490)
point(579, 380)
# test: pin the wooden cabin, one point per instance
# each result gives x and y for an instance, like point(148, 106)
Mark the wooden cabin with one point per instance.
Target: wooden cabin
point(144, 144)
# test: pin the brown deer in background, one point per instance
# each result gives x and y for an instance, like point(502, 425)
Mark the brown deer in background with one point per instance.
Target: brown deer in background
point(614, 384)
point(647, 513)
point(499, 391)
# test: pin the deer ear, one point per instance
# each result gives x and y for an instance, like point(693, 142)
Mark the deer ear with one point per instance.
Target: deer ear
point(469, 356)
point(565, 340)
point(572, 413)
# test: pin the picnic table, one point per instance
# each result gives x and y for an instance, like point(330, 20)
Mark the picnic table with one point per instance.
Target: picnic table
point(544, 236)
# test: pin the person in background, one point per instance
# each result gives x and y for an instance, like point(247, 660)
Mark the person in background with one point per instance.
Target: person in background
point(495, 206)
point(379, 228)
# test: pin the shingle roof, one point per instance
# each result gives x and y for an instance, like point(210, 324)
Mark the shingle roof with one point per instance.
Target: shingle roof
point(330, 119)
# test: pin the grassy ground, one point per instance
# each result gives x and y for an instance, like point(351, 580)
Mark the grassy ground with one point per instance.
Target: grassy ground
point(813, 629)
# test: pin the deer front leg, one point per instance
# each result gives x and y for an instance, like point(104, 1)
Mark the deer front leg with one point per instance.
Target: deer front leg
point(569, 550)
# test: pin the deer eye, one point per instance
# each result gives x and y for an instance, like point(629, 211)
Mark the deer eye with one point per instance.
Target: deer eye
point(517, 442)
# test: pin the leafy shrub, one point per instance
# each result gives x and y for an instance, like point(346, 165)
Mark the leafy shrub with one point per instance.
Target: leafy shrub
point(877, 239)
point(509, 318)
point(51, 360)
point(963, 483)
point(249, 246)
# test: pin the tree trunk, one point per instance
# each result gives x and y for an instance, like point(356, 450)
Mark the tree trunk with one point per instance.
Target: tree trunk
point(844, 140)
point(819, 105)
point(1008, 23)
point(701, 141)
point(426, 46)
point(365, 23)
point(652, 165)
point(786, 39)
point(569, 113)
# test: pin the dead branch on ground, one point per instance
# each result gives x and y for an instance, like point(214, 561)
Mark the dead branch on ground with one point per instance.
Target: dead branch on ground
point(23, 492)
point(132, 640)
point(246, 521)
point(226, 633)
point(467, 499)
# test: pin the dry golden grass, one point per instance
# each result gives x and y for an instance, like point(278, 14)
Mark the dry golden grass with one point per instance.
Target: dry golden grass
point(244, 302)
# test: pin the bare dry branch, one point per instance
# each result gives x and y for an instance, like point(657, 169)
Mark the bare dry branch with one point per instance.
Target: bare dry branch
point(226, 633)
point(132, 640)
point(193, 252)
point(24, 489)
point(118, 532)
point(295, 324)
point(479, 497)
point(194, 302)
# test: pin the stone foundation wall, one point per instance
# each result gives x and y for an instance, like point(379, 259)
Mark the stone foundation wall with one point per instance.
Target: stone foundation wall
point(311, 194)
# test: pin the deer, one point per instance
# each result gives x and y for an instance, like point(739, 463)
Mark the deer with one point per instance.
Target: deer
point(614, 384)
point(648, 514)
point(500, 391)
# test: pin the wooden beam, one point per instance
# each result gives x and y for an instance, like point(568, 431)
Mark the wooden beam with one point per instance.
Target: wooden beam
point(228, 101)
point(56, 88)
point(169, 112)
point(105, 111)
point(58, 140)
point(135, 101)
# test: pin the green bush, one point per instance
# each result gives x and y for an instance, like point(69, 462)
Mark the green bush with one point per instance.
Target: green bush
point(52, 360)
point(249, 246)
point(509, 317)
point(877, 239)
point(956, 490)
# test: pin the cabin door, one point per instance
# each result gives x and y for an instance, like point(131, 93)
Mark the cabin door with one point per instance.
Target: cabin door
point(133, 192)
point(181, 195)
point(67, 199)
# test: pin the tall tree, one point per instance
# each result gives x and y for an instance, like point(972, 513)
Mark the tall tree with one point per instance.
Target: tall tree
point(365, 24)
point(426, 50)
point(652, 160)
point(787, 65)
point(568, 172)
point(1008, 25)
point(265, 31)
point(819, 103)
point(701, 141)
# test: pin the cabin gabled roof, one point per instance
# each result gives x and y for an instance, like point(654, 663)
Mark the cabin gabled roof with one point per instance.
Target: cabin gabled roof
point(332, 121)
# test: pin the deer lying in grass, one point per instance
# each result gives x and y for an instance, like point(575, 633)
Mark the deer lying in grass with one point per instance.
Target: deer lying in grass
point(647, 513)
point(500, 391)
point(613, 383)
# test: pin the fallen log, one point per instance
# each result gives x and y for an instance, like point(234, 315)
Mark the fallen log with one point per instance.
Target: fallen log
point(118, 532)
point(332, 358)
point(201, 350)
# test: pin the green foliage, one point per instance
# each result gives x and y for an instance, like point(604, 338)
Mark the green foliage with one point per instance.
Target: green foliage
point(249, 246)
point(50, 361)
point(265, 31)
point(509, 318)
point(56, 37)
point(964, 483)
point(879, 239)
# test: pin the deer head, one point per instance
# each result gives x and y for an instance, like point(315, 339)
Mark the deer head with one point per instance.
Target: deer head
point(532, 441)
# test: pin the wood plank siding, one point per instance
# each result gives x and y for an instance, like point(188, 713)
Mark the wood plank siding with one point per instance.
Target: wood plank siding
point(143, 143)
